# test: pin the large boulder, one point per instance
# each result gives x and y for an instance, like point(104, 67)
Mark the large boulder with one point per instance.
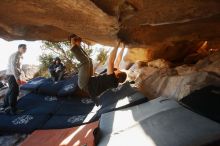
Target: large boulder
point(177, 86)
point(210, 64)
point(157, 29)
point(188, 52)
point(54, 20)
point(180, 81)
point(27, 72)
point(138, 23)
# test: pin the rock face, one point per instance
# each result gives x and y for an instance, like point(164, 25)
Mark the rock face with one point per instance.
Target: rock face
point(177, 82)
point(56, 19)
point(27, 73)
point(138, 23)
point(12, 140)
point(188, 52)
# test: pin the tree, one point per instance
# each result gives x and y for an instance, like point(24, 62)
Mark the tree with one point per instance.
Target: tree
point(62, 50)
point(101, 57)
point(45, 60)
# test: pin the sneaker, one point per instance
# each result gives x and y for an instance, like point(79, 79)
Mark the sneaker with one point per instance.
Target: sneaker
point(96, 100)
point(18, 111)
point(8, 110)
point(12, 111)
point(2, 109)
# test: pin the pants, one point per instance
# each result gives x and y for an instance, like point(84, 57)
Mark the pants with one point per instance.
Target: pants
point(85, 68)
point(12, 93)
point(57, 76)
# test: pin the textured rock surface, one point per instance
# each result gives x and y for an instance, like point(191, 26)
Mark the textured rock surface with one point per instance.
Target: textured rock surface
point(188, 52)
point(156, 24)
point(180, 81)
point(55, 20)
point(12, 140)
point(27, 73)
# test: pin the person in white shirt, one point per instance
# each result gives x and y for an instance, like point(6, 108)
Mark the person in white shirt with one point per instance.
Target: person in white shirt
point(13, 76)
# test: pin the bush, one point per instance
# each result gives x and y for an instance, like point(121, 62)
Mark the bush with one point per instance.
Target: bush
point(62, 50)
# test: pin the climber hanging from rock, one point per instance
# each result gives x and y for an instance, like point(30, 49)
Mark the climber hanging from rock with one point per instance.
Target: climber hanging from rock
point(95, 85)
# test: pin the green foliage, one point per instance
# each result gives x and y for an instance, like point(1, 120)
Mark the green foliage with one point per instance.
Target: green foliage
point(87, 48)
point(46, 60)
point(52, 50)
point(102, 56)
point(62, 50)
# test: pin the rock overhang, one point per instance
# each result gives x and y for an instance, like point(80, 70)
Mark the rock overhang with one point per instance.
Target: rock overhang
point(138, 23)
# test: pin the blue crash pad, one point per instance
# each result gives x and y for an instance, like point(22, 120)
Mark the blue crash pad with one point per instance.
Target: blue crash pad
point(62, 88)
point(73, 112)
point(38, 104)
point(80, 111)
point(34, 84)
point(128, 101)
point(76, 106)
point(111, 96)
point(121, 97)
point(68, 112)
point(36, 111)
point(69, 87)
point(58, 122)
point(24, 123)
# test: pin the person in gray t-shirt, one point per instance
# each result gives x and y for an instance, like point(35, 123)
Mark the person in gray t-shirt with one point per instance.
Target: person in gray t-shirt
point(13, 76)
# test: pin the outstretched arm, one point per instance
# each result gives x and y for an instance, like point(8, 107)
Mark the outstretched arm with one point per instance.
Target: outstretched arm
point(119, 58)
point(110, 69)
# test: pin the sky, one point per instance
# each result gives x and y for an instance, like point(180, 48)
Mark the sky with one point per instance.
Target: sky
point(30, 57)
point(34, 50)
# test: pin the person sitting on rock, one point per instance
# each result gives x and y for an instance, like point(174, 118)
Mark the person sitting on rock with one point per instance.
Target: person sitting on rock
point(94, 86)
point(13, 76)
point(57, 70)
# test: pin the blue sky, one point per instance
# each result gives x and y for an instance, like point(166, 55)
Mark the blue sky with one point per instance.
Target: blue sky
point(30, 57)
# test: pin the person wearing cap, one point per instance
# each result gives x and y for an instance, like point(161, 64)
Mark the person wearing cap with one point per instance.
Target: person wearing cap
point(94, 86)
point(13, 76)
point(57, 70)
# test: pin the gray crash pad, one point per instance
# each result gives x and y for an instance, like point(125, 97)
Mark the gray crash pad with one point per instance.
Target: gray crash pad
point(160, 122)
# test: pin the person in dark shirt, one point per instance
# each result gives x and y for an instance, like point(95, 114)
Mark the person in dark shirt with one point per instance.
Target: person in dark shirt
point(57, 69)
point(95, 85)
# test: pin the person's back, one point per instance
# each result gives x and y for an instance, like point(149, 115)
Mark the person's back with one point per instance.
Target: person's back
point(98, 84)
